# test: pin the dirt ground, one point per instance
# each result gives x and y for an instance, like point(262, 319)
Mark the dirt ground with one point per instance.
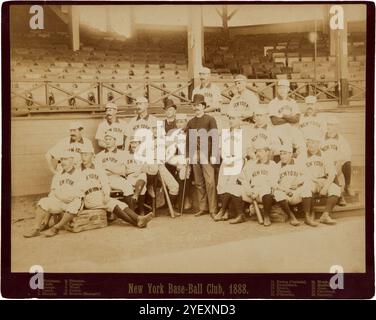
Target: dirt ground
point(191, 244)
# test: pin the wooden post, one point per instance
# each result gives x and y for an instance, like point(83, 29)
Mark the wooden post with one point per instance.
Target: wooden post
point(74, 27)
point(195, 44)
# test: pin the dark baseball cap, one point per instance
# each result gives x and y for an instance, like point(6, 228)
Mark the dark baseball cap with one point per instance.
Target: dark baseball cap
point(199, 99)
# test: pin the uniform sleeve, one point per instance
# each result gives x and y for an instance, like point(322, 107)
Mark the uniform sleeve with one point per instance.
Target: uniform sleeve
point(54, 183)
point(104, 180)
point(217, 97)
point(272, 110)
point(295, 108)
point(80, 185)
point(58, 148)
point(330, 168)
point(100, 132)
point(274, 175)
point(254, 103)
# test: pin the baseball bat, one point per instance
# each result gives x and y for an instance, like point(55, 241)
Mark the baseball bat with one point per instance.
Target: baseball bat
point(184, 186)
point(170, 207)
point(258, 212)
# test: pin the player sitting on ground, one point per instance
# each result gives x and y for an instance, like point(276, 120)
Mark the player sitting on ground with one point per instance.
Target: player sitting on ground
point(292, 188)
point(97, 192)
point(135, 176)
point(65, 197)
point(321, 172)
point(260, 179)
point(336, 148)
point(112, 160)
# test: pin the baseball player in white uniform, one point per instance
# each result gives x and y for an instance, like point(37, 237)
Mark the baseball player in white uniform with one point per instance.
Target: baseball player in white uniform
point(321, 173)
point(284, 114)
point(65, 197)
point(310, 119)
point(209, 90)
point(229, 184)
point(135, 175)
point(73, 143)
point(335, 147)
point(97, 192)
point(244, 101)
point(112, 160)
point(264, 131)
point(292, 185)
point(111, 123)
point(176, 158)
point(260, 179)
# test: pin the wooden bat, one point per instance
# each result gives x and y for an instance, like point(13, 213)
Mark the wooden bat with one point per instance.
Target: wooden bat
point(170, 207)
point(258, 212)
point(184, 186)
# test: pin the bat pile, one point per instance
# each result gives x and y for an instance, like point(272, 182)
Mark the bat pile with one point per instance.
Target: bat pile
point(88, 219)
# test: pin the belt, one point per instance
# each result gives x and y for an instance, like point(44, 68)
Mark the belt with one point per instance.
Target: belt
point(92, 190)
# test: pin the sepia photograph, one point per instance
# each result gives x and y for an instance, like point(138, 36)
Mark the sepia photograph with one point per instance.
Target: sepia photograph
point(188, 138)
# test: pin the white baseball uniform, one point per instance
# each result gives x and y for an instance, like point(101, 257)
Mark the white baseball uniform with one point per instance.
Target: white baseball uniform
point(292, 174)
point(113, 160)
point(211, 93)
point(259, 179)
point(311, 123)
point(134, 170)
point(67, 144)
point(318, 167)
point(244, 103)
point(265, 134)
point(96, 186)
point(175, 152)
point(66, 193)
point(118, 127)
point(336, 148)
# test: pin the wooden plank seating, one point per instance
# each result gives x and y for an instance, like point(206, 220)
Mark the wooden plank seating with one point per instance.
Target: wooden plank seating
point(88, 220)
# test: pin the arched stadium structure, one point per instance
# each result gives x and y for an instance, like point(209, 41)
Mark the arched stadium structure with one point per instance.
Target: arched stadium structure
point(53, 83)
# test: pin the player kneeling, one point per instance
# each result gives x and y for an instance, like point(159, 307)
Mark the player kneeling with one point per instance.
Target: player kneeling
point(292, 187)
point(322, 173)
point(65, 197)
point(97, 192)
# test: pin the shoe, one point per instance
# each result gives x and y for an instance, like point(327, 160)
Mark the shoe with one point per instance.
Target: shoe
point(342, 201)
point(326, 219)
point(310, 220)
point(142, 221)
point(31, 234)
point(294, 222)
point(219, 216)
point(349, 191)
point(200, 213)
point(238, 219)
point(225, 216)
point(267, 222)
point(51, 232)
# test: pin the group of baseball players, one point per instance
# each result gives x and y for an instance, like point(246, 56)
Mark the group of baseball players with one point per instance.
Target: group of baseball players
point(279, 156)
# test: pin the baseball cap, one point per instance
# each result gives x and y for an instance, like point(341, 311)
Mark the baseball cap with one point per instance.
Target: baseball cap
point(261, 144)
point(141, 100)
point(283, 82)
point(199, 99)
point(135, 139)
point(111, 105)
point(75, 125)
point(310, 99)
point(66, 154)
point(87, 148)
point(110, 134)
point(261, 110)
point(169, 103)
point(181, 116)
point(204, 70)
point(240, 77)
point(285, 147)
point(332, 120)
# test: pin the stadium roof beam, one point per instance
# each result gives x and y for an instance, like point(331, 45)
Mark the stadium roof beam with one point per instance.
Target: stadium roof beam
point(74, 27)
